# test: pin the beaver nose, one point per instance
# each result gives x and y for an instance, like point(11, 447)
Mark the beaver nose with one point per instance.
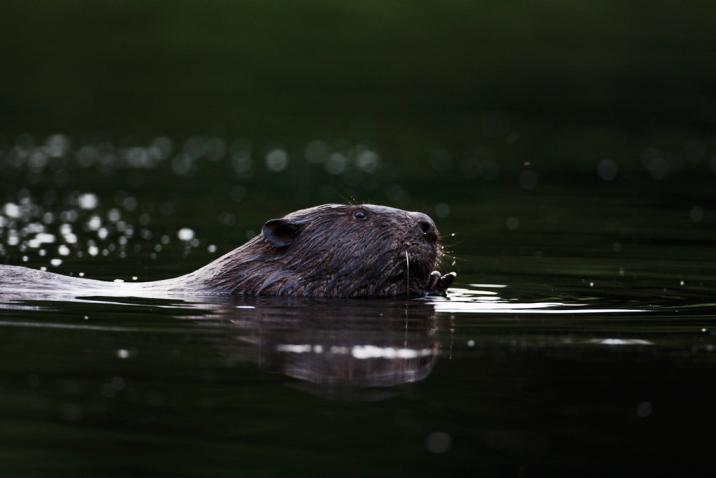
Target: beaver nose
point(426, 226)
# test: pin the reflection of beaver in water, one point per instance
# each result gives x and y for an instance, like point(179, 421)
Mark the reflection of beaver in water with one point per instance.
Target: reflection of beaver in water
point(335, 349)
point(326, 251)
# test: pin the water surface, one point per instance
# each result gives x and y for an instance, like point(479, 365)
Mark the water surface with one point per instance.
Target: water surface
point(578, 339)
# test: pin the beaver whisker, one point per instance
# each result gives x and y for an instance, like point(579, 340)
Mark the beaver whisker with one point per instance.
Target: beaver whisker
point(407, 274)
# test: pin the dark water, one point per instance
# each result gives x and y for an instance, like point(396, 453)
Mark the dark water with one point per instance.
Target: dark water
point(566, 151)
point(579, 339)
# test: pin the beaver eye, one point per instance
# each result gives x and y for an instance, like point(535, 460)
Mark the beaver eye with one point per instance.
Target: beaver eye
point(360, 214)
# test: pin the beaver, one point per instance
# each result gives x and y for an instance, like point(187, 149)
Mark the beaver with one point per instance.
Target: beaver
point(332, 250)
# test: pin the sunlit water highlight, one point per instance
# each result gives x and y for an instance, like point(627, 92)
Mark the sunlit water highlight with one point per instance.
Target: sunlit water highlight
point(488, 302)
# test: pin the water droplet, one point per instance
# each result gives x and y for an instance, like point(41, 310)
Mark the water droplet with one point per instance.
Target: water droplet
point(185, 234)
point(529, 179)
point(336, 163)
point(12, 210)
point(696, 214)
point(438, 442)
point(607, 169)
point(368, 161)
point(87, 201)
point(512, 223)
point(644, 409)
point(94, 223)
point(276, 160)
point(442, 210)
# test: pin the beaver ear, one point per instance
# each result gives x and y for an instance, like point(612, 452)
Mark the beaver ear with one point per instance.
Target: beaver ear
point(281, 232)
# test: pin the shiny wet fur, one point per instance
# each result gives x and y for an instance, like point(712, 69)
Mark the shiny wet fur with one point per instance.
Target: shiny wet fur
point(332, 250)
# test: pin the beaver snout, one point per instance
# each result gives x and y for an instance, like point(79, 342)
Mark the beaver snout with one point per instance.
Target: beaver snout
point(425, 226)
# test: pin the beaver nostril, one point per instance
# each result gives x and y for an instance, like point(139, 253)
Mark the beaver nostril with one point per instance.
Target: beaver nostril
point(425, 226)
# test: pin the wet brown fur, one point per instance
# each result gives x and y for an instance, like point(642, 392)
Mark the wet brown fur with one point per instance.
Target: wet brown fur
point(331, 253)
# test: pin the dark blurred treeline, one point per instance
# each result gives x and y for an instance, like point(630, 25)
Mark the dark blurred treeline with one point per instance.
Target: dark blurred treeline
point(560, 79)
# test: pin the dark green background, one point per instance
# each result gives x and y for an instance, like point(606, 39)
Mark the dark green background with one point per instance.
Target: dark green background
point(565, 82)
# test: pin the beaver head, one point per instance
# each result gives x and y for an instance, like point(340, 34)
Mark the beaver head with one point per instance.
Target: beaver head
point(333, 250)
